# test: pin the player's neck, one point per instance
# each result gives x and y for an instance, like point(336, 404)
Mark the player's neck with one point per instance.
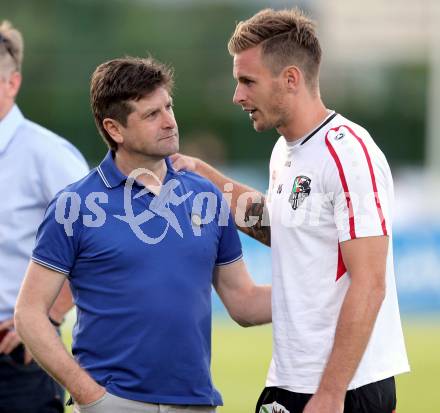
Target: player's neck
point(304, 118)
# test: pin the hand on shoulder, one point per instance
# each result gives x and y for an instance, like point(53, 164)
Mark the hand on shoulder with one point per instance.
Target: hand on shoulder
point(184, 162)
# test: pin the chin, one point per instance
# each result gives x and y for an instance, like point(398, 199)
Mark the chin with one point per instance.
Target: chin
point(172, 150)
point(261, 127)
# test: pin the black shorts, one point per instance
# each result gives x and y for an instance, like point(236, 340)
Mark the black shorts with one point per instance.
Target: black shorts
point(378, 397)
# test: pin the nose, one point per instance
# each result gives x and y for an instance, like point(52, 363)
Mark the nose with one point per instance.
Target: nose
point(169, 121)
point(239, 96)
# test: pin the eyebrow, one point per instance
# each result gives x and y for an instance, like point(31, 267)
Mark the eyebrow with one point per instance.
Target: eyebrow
point(245, 78)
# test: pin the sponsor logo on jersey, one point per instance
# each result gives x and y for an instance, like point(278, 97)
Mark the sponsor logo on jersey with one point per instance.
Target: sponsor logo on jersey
point(300, 191)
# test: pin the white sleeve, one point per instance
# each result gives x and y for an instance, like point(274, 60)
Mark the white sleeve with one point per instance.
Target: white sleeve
point(63, 165)
point(276, 160)
point(361, 184)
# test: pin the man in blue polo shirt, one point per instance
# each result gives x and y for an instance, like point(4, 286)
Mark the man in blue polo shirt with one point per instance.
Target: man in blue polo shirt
point(141, 245)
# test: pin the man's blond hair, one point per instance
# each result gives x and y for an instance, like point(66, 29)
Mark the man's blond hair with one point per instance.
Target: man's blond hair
point(11, 47)
point(287, 37)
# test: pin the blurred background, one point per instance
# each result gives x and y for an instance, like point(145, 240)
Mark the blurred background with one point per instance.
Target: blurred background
point(381, 68)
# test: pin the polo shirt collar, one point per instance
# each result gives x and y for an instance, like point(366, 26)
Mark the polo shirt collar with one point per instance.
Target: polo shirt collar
point(9, 125)
point(170, 169)
point(113, 177)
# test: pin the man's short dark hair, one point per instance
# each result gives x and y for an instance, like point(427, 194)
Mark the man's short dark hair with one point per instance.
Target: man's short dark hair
point(117, 82)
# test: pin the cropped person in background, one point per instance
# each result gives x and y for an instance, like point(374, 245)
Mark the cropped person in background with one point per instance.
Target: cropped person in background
point(338, 339)
point(34, 165)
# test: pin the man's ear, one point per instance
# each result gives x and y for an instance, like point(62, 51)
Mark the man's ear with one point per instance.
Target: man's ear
point(292, 76)
point(114, 129)
point(14, 83)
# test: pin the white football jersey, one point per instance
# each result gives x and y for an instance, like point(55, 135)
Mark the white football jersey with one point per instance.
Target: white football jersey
point(331, 186)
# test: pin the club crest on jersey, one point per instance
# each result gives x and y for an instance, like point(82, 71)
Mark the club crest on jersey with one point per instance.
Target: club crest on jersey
point(273, 408)
point(300, 191)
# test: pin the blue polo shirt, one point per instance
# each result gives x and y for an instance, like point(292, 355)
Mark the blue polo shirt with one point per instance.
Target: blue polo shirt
point(140, 267)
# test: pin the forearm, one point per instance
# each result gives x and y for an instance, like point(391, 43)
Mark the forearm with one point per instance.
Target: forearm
point(220, 180)
point(46, 347)
point(356, 321)
point(62, 304)
point(254, 308)
point(248, 206)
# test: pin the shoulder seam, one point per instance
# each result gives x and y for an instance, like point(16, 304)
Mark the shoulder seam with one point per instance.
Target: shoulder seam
point(340, 169)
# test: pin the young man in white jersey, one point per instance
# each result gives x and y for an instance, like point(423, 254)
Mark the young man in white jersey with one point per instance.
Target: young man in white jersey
point(338, 340)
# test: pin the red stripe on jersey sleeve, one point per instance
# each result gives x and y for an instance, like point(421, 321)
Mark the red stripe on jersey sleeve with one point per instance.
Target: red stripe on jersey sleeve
point(342, 269)
point(373, 180)
point(344, 183)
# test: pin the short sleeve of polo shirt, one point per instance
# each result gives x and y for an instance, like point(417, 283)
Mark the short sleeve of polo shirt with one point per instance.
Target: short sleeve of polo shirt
point(359, 182)
point(229, 248)
point(57, 237)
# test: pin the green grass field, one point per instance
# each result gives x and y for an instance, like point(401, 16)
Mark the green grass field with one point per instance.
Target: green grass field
point(241, 358)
